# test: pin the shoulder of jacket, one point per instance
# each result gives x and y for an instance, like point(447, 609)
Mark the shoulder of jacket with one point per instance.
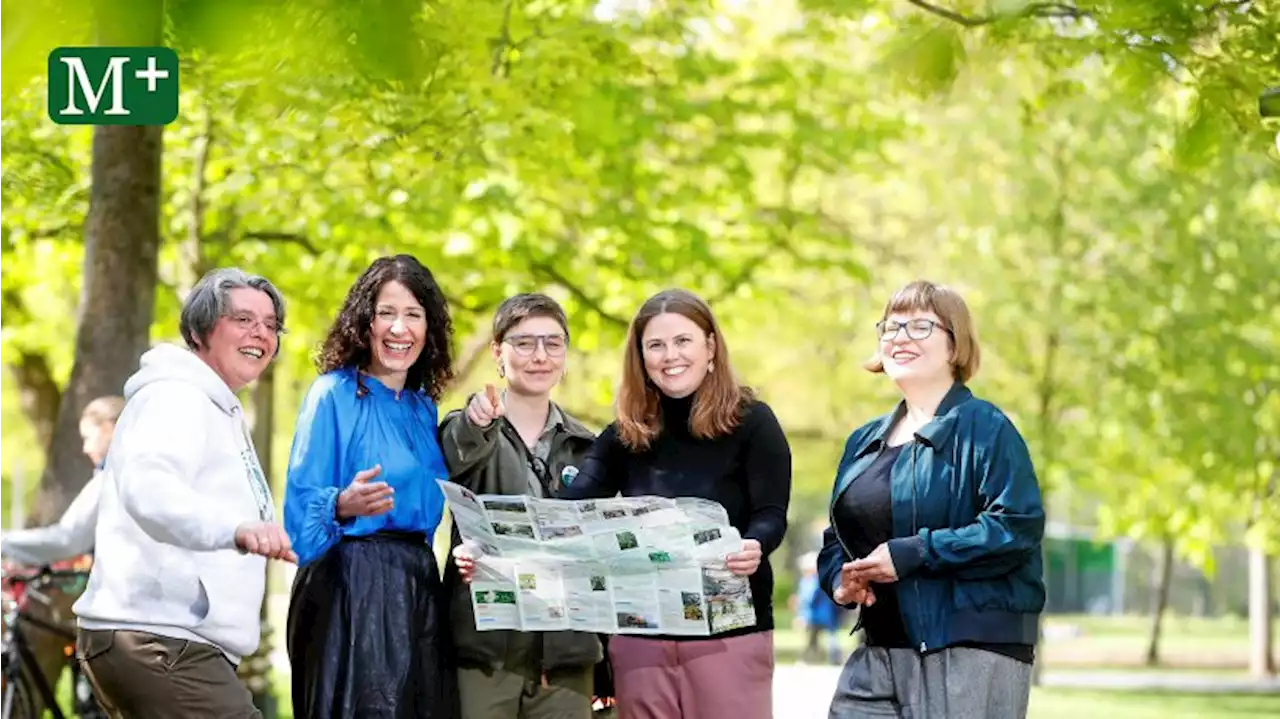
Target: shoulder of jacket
point(979, 411)
point(860, 436)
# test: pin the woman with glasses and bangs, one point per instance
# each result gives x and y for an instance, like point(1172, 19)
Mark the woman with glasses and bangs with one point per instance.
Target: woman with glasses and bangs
point(936, 524)
point(518, 441)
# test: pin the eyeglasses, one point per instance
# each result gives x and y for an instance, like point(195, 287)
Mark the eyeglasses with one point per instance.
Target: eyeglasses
point(526, 345)
point(246, 322)
point(918, 329)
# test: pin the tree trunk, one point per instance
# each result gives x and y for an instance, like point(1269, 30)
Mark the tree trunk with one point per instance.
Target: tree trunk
point(38, 393)
point(1261, 638)
point(1160, 602)
point(122, 243)
point(255, 670)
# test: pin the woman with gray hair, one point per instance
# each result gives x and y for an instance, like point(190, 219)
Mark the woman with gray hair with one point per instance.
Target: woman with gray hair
point(185, 521)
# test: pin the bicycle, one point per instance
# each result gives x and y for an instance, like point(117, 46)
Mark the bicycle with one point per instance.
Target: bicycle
point(28, 692)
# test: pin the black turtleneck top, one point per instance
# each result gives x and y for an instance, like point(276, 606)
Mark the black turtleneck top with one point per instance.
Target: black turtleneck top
point(747, 471)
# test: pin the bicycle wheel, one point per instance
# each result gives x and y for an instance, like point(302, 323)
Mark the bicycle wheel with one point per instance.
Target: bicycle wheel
point(20, 699)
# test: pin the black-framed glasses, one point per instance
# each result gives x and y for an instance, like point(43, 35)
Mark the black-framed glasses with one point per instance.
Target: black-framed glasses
point(526, 345)
point(917, 329)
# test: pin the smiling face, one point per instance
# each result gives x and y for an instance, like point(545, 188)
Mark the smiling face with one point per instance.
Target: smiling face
point(244, 340)
point(532, 355)
point(397, 335)
point(916, 360)
point(677, 354)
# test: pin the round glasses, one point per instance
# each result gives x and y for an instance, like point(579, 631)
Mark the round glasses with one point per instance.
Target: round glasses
point(918, 329)
point(526, 345)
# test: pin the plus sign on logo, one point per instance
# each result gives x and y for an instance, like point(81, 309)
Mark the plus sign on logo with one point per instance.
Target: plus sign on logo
point(113, 85)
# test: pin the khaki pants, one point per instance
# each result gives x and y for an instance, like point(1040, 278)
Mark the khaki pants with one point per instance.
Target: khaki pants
point(499, 694)
point(145, 676)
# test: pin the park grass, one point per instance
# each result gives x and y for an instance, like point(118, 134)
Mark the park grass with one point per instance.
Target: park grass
point(1217, 646)
point(1073, 704)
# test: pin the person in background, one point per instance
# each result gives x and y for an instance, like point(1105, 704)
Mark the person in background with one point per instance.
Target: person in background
point(72, 535)
point(185, 518)
point(519, 442)
point(685, 427)
point(368, 629)
point(819, 614)
point(937, 525)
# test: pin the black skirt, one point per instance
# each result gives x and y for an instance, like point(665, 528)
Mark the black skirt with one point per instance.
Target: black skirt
point(368, 635)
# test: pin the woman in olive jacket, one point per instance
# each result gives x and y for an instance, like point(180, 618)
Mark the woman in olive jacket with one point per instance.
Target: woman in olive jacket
point(518, 442)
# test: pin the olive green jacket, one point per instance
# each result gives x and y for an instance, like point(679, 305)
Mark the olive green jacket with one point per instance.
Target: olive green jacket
point(495, 460)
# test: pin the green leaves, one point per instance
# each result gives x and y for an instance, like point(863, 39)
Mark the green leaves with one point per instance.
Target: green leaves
point(926, 58)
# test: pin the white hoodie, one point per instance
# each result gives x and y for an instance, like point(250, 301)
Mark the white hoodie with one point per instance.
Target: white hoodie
point(180, 476)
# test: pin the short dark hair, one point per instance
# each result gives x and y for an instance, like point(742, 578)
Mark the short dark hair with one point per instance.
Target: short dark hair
point(207, 302)
point(518, 308)
point(348, 342)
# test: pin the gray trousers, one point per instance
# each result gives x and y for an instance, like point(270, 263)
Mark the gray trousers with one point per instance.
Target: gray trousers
point(955, 683)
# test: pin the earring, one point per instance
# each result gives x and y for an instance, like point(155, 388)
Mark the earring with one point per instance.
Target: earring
point(711, 369)
point(502, 371)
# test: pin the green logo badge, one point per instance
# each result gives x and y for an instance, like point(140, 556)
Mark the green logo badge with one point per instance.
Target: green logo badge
point(113, 85)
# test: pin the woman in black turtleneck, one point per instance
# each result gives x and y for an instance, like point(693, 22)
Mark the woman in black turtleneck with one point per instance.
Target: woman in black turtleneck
point(686, 428)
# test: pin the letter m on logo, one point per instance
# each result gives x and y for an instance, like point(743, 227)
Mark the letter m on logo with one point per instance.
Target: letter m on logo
point(78, 79)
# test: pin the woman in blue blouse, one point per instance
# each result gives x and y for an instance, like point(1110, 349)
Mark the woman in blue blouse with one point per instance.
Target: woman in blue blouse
point(367, 634)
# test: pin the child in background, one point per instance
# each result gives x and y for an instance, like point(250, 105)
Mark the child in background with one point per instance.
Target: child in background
point(819, 614)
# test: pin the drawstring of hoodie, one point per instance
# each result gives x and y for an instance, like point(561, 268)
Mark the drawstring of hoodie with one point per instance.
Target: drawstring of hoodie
point(253, 470)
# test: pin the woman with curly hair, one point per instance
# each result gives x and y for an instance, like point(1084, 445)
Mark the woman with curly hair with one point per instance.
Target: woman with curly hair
point(367, 634)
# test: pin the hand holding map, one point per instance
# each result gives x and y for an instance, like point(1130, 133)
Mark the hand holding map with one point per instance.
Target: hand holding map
point(636, 565)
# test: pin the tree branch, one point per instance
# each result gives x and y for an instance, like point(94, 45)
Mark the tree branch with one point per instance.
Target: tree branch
point(276, 236)
point(192, 249)
point(1035, 9)
point(38, 391)
point(579, 294)
point(54, 231)
point(504, 40)
point(473, 353)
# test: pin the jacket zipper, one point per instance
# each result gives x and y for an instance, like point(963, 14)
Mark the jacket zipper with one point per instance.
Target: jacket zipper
point(915, 527)
point(831, 515)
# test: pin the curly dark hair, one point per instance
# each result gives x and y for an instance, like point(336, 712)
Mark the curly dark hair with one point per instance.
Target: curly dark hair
point(348, 342)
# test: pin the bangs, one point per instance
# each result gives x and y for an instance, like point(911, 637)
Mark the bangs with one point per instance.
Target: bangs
point(915, 297)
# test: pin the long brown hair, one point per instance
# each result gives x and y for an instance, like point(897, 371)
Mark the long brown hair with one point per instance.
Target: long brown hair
point(719, 401)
